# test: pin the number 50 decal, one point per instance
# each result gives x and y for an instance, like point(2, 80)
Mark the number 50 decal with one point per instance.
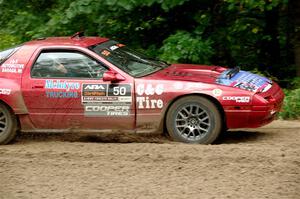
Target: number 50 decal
point(119, 90)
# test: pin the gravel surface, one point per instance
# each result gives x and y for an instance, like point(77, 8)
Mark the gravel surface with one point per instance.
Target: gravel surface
point(247, 163)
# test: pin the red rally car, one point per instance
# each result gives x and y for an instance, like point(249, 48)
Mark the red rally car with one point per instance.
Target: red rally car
point(94, 84)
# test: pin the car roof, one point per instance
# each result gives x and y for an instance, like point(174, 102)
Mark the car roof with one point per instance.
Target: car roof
point(67, 41)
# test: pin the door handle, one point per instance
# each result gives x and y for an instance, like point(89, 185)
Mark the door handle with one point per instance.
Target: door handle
point(37, 86)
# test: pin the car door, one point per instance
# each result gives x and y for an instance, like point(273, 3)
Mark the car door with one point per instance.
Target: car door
point(64, 89)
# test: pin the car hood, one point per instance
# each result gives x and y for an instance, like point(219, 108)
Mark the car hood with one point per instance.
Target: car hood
point(190, 72)
point(233, 77)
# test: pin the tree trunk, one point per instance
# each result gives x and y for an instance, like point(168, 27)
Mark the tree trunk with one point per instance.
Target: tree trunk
point(297, 58)
point(270, 54)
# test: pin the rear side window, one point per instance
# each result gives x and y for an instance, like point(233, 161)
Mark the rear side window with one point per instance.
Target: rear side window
point(66, 65)
point(4, 55)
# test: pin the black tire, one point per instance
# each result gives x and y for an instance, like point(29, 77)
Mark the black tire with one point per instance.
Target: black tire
point(8, 125)
point(194, 119)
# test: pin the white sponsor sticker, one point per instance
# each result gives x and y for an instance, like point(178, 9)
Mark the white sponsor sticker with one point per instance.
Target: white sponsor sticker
point(107, 110)
point(114, 47)
point(114, 94)
point(267, 88)
point(217, 92)
point(12, 67)
point(94, 87)
point(5, 91)
point(145, 102)
point(147, 94)
point(194, 86)
point(178, 86)
point(149, 89)
point(239, 99)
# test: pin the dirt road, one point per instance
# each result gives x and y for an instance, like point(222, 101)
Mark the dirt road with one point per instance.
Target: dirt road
point(250, 163)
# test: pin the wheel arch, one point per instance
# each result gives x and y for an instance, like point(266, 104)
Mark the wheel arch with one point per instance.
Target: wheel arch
point(210, 98)
point(12, 111)
point(7, 105)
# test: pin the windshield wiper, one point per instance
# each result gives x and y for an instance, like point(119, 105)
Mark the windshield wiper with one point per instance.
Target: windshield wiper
point(146, 60)
point(159, 61)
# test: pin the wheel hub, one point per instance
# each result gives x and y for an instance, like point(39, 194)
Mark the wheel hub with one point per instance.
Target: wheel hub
point(192, 121)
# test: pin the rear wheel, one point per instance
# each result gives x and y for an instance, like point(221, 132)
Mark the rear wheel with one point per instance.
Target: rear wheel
point(8, 125)
point(194, 119)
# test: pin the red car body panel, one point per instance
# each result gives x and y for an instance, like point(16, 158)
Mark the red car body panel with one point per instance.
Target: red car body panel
point(150, 96)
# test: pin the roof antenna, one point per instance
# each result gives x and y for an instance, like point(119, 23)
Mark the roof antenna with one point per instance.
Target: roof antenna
point(78, 35)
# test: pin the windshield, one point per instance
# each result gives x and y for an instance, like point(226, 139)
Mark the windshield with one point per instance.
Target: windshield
point(128, 60)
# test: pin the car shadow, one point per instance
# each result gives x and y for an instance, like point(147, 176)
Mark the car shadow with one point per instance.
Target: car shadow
point(240, 136)
point(229, 137)
point(93, 137)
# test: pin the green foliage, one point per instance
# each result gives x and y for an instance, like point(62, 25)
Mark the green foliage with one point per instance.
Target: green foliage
point(249, 33)
point(8, 41)
point(260, 5)
point(183, 47)
point(296, 82)
point(291, 105)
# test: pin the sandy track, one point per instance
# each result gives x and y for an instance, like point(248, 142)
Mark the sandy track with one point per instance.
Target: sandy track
point(250, 163)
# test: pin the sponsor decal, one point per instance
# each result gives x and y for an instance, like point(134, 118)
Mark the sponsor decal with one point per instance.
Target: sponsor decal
point(12, 67)
point(245, 80)
point(178, 86)
point(150, 91)
point(145, 102)
point(105, 53)
point(114, 47)
point(61, 94)
point(106, 94)
point(194, 86)
point(5, 91)
point(68, 89)
point(266, 88)
point(120, 45)
point(62, 85)
point(112, 100)
point(217, 92)
point(103, 110)
point(238, 99)
point(91, 90)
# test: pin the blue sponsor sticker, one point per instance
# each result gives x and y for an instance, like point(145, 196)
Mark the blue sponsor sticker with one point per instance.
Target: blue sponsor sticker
point(62, 85)
point(62, 89)
point(61, 94)
point(244, 80)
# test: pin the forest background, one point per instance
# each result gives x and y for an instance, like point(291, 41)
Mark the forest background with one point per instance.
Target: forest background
point(258, 35)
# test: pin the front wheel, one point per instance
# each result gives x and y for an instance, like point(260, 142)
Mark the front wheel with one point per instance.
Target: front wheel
point(194, 119)
point(8, 125)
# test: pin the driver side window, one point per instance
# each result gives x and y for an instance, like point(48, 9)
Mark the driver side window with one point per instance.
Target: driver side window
point(66, 65)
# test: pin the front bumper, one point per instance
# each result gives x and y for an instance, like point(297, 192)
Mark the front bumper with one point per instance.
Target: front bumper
point(258, 114)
